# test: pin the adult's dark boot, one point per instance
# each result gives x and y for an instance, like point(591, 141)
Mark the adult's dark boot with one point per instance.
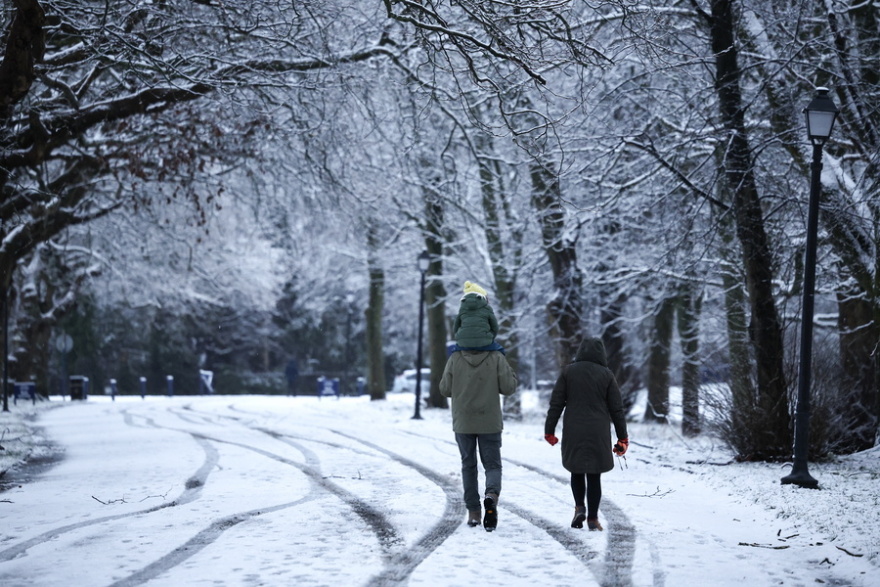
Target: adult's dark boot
point(580, 514)
point(490, 520)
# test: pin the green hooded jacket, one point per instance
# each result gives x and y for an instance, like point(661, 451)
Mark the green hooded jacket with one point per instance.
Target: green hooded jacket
point(587, 397)
point(475, 325)
point(476, 380)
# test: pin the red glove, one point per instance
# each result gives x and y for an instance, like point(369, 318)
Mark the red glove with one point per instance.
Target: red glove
point(621, 446)
point(551, 438)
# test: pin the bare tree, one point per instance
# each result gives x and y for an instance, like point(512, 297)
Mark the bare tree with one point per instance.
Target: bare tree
point(100, 100)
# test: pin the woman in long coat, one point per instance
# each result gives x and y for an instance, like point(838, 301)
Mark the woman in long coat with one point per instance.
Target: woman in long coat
point(588, 399)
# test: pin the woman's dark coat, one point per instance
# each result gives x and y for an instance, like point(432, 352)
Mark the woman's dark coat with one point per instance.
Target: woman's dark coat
point(587, 397)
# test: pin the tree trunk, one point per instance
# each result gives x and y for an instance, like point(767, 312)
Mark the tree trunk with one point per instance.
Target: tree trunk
point(376, 384)
point(859, 313)
point(566, 305)
point(690, 304)
point(611, 304)
point(32, 360)
point(765, 329)
point(658, 362)
point(435, 299)
point(613, 337)
point(496, 209)
point(5, 302)
point(742, 390)
point(25, 44)
point(857, 401)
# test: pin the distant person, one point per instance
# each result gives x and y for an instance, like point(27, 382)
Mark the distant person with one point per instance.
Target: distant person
point(475, 326)
point(587, 397)
point(292, 374)
point(475, 381)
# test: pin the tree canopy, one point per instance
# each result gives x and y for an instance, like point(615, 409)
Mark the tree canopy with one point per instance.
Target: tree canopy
point(235, 184)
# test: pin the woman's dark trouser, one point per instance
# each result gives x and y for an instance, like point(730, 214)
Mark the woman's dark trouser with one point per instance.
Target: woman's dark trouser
point(490, 455)
point(589, 485)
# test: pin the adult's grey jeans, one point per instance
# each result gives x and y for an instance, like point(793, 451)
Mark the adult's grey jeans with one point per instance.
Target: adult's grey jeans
point(489, 446)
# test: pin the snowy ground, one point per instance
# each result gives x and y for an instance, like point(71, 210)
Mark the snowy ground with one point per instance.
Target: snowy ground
point(254, 490)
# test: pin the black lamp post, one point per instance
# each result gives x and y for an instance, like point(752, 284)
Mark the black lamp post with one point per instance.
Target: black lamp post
point(350, 383)
point(424, 261)
point(820, 114)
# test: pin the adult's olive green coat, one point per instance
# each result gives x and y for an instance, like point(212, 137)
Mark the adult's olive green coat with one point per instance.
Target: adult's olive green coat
point(587, 397)
point(476, 380)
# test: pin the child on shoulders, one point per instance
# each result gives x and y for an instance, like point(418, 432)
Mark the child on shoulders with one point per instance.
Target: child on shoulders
point(475, 326)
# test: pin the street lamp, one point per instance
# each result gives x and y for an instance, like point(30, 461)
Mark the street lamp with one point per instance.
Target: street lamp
point(349, 359)
point(820, 115)
point(424, 261)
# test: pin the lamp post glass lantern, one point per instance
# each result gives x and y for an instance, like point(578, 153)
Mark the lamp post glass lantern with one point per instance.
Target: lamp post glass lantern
point(820, 116)
point(424, 261)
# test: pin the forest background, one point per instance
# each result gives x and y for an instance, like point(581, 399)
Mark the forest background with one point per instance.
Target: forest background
point(231, 185)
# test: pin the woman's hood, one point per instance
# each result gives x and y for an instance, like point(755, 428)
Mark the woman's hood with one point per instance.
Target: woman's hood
point(592, 350)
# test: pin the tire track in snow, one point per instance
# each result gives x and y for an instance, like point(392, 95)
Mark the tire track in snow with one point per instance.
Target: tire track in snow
point(406, 560)
point(384, 530)
point(198, 542)
point(402, 563)
point(616, 569)
point(195, 483)
point(192, 488)
point(560, 534)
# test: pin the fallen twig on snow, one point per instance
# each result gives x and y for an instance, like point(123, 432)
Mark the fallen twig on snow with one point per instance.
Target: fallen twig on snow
point(123, 500)
point(109, 502)
point(709, 463)
point(848, 552)
point(359, 477)
point(163, 496)
point(770, 546)
point(657, 493)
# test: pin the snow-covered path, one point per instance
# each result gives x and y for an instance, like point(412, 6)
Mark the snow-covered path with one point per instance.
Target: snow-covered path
point(243, 490)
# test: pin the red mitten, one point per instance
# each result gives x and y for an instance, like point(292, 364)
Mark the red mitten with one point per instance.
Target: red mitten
point(551, 438)
point(621, 446)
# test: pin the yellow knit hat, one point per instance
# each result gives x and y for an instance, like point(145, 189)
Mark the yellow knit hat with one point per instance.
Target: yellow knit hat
point(472, 288)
